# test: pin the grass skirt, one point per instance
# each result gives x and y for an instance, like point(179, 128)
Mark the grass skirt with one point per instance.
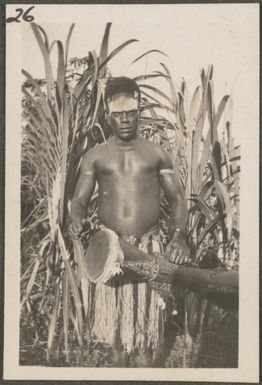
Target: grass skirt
point(132, 313)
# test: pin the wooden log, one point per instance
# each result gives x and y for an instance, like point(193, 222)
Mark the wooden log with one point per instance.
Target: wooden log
point(220, 286)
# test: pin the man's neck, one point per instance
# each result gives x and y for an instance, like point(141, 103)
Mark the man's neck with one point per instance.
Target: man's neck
point(125, 143)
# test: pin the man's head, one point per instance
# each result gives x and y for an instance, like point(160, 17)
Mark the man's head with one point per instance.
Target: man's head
point(122, 97)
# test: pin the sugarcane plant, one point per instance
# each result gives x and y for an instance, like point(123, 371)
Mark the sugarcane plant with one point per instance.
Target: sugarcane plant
point(63, 117)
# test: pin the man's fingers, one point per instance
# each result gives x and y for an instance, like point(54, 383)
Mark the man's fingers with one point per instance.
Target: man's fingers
point(170, 257)
point(188, 256)
point(176, 254)
point(184, 255)
point(180, 256)
point(173, 255)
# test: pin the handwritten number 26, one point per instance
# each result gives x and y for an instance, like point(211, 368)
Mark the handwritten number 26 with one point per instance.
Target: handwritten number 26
point(20, 12)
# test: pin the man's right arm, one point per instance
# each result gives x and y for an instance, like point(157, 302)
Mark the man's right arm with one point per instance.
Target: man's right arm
point(82, 195)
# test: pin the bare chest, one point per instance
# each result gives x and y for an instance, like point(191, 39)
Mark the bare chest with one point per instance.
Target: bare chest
point(127, 163)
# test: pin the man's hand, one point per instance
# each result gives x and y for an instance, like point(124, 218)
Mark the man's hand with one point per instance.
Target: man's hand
point(76, 228)
point(177, 249)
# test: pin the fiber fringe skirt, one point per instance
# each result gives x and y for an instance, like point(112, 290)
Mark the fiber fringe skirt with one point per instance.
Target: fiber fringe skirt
point(130, 314)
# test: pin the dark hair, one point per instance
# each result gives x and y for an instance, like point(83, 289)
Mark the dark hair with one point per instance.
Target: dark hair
point(121, 84)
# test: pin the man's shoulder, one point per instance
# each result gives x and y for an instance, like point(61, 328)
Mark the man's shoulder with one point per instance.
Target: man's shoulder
point(159, 153)
point(154, 147)
point(93, 153)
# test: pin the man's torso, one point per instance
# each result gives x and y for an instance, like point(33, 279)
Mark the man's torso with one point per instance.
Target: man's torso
point(128, 178)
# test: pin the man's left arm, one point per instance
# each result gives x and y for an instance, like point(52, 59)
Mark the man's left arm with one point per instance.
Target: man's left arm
point(177, 249)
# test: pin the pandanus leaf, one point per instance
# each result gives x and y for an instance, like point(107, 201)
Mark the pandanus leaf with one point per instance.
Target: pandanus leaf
point(53, 322)
point(181, 109)
point(161, 105)
point(43, 128)
point(97, 102)
point(196, 171)
point(72, 282)
point(172, 87)
point(210, 227)
point(208, 213)
point(216, 161)
point(45, 52)
point(220, 110)
point(150, 107)
point(76, 296)
point(225, 165)
point(83, 83)
point(66, 312)
point(87, 76)
point(104, 48)
point(146, 77)
point(94, 75)
point(116, 51)
point(210, 112)
point(60, 71)
point(202, 205)
point(31, 282)
point(40, 111)
point(147, 53)
point(157, 91)
point(80, 260)
point(193, 110)
point(211, 145)
point(64, 153)
point(43, 101)
point(68, 41)
point(224, 198)
point(46, 40)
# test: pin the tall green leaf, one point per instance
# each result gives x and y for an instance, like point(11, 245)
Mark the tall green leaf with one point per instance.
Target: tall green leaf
point(46, 56)
point(53, 322)
point(68, 41)
point(104, 48)
point(60, 71)
point(116, 51)
point(224, 198)
point(80, 259)
point(147, 53)
point(66, 313)
point(172, 87)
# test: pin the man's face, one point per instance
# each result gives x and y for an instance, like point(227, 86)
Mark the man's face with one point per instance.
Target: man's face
point(123, 116)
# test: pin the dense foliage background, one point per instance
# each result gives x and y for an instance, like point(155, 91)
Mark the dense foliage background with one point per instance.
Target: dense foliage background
point(63, 117)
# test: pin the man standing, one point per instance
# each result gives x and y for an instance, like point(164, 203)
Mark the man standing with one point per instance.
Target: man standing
point(130, 173)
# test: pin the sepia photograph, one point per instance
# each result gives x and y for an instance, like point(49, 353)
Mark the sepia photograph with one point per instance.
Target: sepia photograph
point(136, 139)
